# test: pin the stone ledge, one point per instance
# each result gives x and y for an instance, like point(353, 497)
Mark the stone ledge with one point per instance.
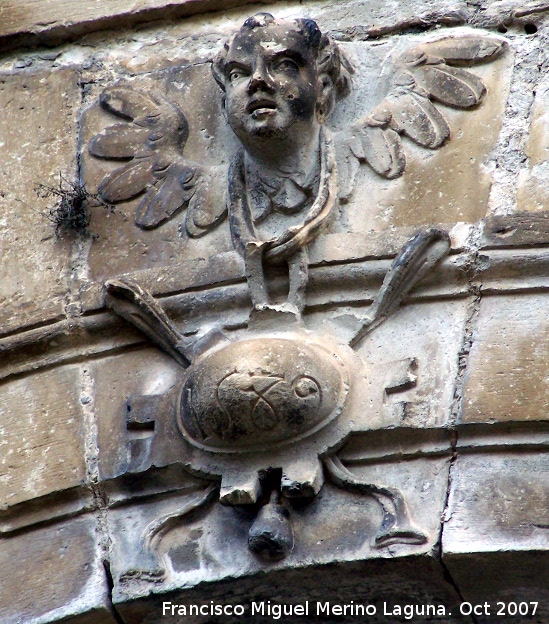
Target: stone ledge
point(216, 285)
point(389, 446)
point(35, 22)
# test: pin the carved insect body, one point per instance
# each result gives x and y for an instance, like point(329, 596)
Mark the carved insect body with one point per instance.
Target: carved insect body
point(279, 399)
point(261, 393)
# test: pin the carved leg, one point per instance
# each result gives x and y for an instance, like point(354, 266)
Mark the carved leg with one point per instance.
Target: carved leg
point(154, 532)
point(411, 265)
point(255, 274)
point(148, 565)
point(396, 526)
point(138, 307)
point(298, 268)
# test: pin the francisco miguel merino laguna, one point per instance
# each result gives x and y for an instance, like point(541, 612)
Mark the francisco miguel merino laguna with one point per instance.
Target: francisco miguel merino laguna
point(276, 611)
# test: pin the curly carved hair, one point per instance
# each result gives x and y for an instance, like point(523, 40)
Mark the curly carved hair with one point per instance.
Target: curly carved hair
point(332, 64)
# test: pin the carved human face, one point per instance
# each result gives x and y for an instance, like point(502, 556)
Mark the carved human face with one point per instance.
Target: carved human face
point(271, 85)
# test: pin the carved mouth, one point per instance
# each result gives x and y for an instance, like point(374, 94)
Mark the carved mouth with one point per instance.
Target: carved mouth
point(261, 107)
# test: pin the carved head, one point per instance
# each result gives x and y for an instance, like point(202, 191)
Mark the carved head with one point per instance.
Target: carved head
point(280, 78)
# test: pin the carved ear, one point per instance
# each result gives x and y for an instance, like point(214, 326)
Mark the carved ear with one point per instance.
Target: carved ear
point(326, 97)
point(224, 107)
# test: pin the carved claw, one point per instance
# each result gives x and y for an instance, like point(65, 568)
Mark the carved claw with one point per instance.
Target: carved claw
point(412, 264)
point(396, 526)
point(149, 566)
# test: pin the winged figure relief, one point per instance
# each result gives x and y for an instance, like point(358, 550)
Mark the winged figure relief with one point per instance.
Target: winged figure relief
point(246, 404)
point(280, 80)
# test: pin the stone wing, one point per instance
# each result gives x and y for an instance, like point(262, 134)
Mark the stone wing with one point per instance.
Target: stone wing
point(149, 138)
point(429, 74)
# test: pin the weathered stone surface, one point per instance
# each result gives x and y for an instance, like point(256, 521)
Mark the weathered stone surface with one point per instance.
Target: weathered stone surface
point(431, 335)
point(54, 506)
point(521, 229)
point(495, 534)
point(452, 353)
point(60, 19)
point(508, 271)
point(451, 184)
point(533, 188)
point(36, 147)
point(138, 249)
point(54, 572)
point(43, 435)
point(413, 580)
point(211, 544)
point(507, 378)
point(497, 502)
point(214, 138)
point(363, 19)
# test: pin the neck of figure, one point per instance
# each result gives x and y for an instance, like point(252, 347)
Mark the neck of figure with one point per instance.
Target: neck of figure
point(292, 157)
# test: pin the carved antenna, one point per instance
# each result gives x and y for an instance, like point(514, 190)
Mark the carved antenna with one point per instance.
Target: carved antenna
point(139, 308)
point(417, 258)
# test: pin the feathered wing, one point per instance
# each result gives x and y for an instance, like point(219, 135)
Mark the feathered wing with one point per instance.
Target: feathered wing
point(150, 138)
point(425, 75)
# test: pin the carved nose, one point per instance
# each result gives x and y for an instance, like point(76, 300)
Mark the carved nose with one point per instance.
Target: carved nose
point(260, 81)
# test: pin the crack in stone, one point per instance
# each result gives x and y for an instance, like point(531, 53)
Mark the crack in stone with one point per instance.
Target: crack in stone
point(509, 155)
point(472, 266)
point(110, 585)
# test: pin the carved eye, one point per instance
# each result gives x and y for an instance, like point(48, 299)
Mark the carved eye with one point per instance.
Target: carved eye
point(305, 387)
point(287, 65)
point(236, 74)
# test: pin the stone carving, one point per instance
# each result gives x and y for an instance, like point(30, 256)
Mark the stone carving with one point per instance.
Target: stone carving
point(255, 394)
point(283, 400)
point(246, 407)
point(280, 81)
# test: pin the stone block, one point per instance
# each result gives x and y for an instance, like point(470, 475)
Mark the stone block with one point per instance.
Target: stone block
point(36, 147)
point(495, 541)
point(430, 334)
point(54, 572)
point(42, 448)
point(507, 372)
point(498, 502)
